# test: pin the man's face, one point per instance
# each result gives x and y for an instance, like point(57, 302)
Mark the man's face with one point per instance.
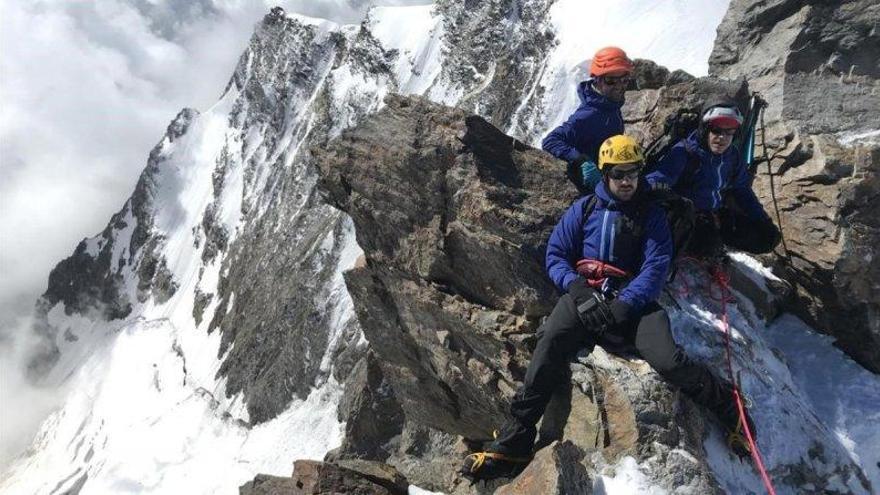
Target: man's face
point(623, 180)
point(612, 86)
point(719, 139)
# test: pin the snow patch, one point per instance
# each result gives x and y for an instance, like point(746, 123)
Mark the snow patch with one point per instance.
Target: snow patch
point(138, 421)
point(417, 36)
point(625, 477)
point(855, 138)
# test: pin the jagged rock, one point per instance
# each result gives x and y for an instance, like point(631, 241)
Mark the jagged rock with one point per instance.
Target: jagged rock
point(364, 478)
point(769, 296)
point(380, 474)
point(466, 234)
point(278, 266)
point(817, 62)
point(555, 470)
point(428, 458)
point(650, 75)
point(643, 417)
point(494, 62)
point(370, 412)
point(319, 478)
point(200, 302)
point(817, 65)
point(264, 484)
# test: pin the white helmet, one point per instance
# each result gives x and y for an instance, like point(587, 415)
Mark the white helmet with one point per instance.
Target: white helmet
point(727, 117)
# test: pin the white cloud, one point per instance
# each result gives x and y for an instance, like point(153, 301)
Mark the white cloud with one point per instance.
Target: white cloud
point(86, 90)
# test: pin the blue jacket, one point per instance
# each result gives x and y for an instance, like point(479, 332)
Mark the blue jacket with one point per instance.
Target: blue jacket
point(595, 120)
point(603, 237)
point(716, 175)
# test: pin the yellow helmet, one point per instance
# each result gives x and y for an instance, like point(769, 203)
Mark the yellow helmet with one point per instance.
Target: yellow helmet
point(620, 150)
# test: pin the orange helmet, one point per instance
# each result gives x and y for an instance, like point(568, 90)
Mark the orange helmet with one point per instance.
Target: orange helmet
point(608, 60)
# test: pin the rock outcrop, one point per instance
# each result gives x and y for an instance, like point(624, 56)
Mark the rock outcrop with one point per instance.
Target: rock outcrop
point(319, 478)
point(817, 64)
point(453, 227)
point(453, 217)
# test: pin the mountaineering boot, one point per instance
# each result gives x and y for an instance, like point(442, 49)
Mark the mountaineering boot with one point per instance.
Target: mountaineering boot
point(717, 396)
point(728, 414)
point(490, 465)
point(504, 458)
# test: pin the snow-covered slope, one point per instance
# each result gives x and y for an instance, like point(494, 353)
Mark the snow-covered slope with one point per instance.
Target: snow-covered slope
point(808, 443)
point(203, 336)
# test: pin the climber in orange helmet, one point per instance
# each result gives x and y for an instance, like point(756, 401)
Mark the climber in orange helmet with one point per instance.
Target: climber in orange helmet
point(598, 117)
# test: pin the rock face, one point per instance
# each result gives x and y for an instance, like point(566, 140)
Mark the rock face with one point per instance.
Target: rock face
point(817, 63)
point(373, 418)
point(454, 259)
point(494, 61)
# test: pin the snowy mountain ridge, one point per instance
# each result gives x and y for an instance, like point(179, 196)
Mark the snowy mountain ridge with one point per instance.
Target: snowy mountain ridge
point(207, 333)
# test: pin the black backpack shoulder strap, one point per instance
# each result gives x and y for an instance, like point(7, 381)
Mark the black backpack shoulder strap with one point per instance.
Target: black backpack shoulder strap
point(589, 207)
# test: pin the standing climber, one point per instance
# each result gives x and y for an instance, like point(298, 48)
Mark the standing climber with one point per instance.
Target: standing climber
point(597, 118)
point(609, 255)
point(707, 169)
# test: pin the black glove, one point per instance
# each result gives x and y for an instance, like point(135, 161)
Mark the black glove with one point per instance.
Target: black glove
point(705, 241)
point(594, 311)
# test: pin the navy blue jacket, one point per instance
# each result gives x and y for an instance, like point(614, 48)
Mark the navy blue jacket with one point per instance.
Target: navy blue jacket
point(595, 120)
point(600, 238)
point(716, 175)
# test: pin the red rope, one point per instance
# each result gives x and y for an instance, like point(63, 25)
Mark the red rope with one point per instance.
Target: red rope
point(723, 279)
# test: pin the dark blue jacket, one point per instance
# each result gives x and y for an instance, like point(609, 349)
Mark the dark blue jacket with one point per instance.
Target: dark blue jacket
point(716, 175)
point(603, 237)
point(595, 120)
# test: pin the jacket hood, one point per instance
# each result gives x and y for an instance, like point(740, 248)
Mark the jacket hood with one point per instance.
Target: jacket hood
point(589, 97)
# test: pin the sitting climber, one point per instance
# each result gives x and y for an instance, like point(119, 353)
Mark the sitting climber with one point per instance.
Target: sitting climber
point(609, 255)
point(707, 169)
point(597, 118)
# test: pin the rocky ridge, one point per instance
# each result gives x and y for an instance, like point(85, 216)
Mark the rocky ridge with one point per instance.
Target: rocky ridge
point(454, 260)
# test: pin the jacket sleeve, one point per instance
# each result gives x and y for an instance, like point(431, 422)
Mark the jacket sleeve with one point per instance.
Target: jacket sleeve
point(562, 141)
point(670, 167)
point(649, 282)
point(745, 197)
point(565, 245)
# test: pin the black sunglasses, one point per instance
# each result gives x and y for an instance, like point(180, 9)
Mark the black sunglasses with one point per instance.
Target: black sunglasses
point(631, 174)
point(615, 80)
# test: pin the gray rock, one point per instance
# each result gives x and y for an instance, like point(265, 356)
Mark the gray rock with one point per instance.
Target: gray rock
point(818, 64)
point(439, 254)
point(555, 470)
point(372, 416)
